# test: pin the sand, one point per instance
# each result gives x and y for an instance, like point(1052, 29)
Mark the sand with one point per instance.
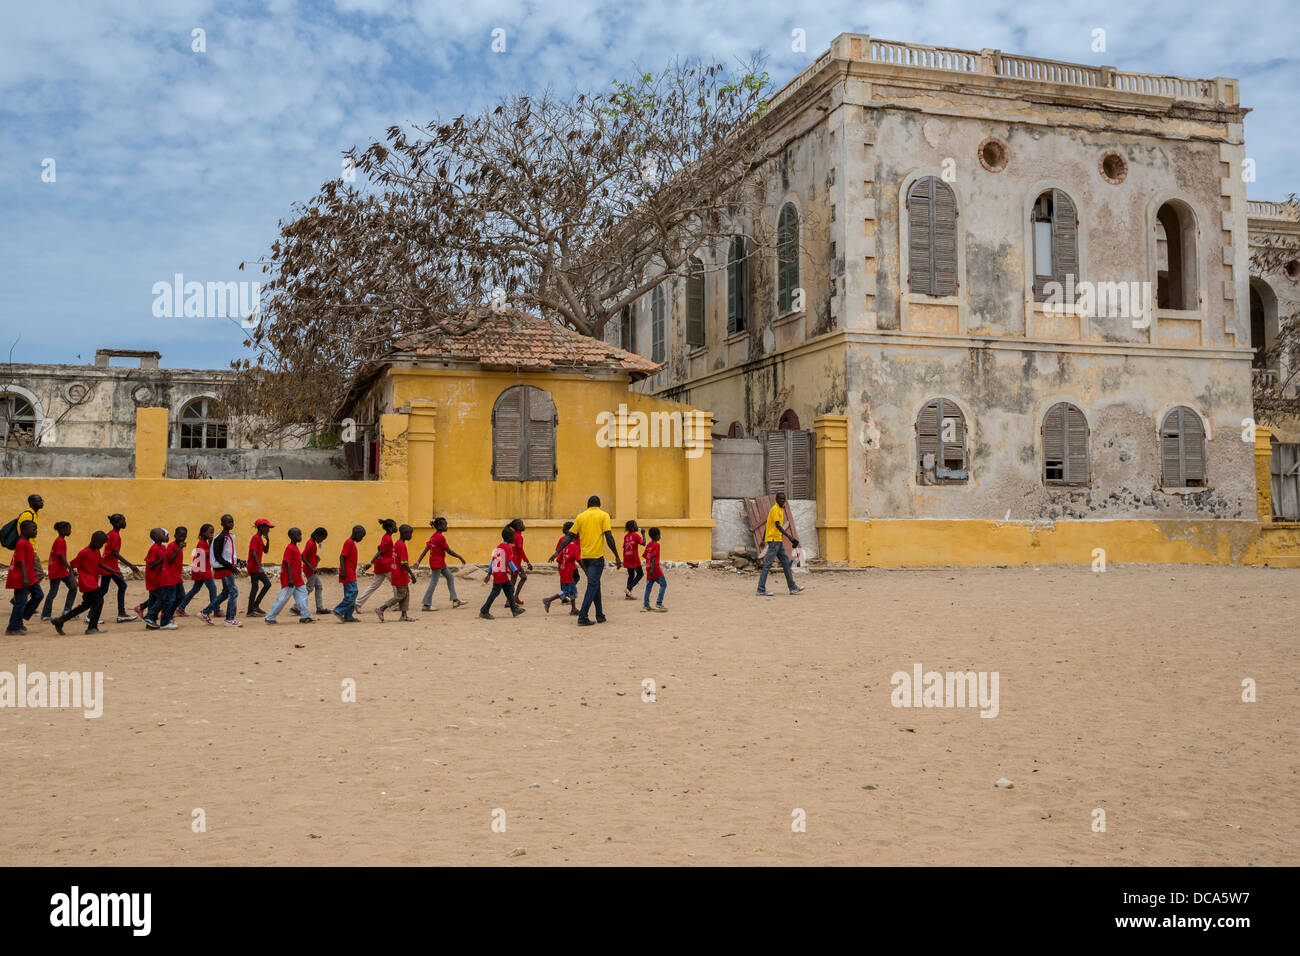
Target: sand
point(1118, 691)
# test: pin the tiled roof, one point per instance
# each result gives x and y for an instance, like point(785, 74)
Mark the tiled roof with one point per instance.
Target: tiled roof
point(516, 340)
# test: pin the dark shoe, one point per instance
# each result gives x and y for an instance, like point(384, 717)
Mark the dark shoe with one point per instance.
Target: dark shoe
point(585, 623)
point(93, 630)
point(295, 612)
point(546, 604)
point(57, 622)
point(486, 616)
point(516, 611)
point(796, 589)
point(306, 620)
point(600, 620)
point(338, 615)
point(15, 632)
point(270, 621)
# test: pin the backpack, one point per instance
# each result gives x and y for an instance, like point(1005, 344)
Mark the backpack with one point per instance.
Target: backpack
point(9, 535)
point(218, 552)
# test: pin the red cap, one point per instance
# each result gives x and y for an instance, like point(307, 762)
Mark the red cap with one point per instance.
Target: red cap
point(262, 521)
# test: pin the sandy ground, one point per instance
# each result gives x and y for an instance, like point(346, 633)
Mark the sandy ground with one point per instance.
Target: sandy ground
point(1119, 691)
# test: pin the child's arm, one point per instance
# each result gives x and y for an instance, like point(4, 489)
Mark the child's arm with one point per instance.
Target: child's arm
point(118, 555)
point(422, 554)
point(456, 556)
point(157, 563)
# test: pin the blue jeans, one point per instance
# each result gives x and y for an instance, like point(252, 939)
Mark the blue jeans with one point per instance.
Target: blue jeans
point(593, 568)
point(348, 605)
point(774, 551)
point(121, 590)
point(434, 576)
point(508, 589)
point(198, 585)
point(70, 585)
point(649, 585)
point(162, 604)
point(229, 596)
point(299, 595)
point(25, 602)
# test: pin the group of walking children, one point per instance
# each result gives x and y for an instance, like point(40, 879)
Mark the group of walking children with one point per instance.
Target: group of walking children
point(652, 572)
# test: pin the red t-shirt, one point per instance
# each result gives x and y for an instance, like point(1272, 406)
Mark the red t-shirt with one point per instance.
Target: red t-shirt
point(201, 569)
point(501, 558)
point(292, 578)
point(309, 559)
point(256, 548)
point(518, 550)
point(632, 557)
point(384, 563)
point(109, 559)
point(437, 546)
point(153, 575)
point(400, 574)
point(568, 561)
point(88, 569)
point(173, 569)
point(348, 562)
point(652, 570)
point(22, 569)
point(58, 570)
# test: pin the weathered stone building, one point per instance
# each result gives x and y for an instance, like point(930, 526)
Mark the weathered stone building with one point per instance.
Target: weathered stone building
point(1012, 294)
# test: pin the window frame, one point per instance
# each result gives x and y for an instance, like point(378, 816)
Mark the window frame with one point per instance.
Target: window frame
point(525, 467)
point(1184, 414)
point(738, 284)
point(1068, 479)
point(788, 251)
point(942, 405)
point(658, 324)
point(213, 431)
point(933, 287)
point(696, 325)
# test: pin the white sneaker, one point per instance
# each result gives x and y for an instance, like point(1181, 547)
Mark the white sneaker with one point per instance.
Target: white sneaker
point(234, 624)
point(173, 626)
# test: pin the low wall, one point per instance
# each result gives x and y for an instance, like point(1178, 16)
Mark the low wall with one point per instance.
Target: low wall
point(48, 461)
point(300, 464)
point(731, 525)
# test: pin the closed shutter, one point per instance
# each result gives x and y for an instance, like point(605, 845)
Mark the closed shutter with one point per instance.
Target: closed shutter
point(1076, 446)
point(1065, 239)
point(1193, 447)
point(945, 239)
point(940, 420)
point(1065, 445)
point(778, 460)
point(927, 440)
point(919, 269)
point(541, 436)
point(695, 305)
point(507, 436)
point(801, 459)
point(954, 452)
point(1054, 465)
point(1182, 449)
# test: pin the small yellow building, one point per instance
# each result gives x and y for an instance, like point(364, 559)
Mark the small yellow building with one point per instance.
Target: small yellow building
point(522, 418)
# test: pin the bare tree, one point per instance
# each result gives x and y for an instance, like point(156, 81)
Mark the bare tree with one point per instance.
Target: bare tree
point(567, 207)
point(1277, 397)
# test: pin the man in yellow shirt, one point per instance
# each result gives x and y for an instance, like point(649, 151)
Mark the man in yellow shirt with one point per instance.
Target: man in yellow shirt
point(772, 538)
point(592, 530)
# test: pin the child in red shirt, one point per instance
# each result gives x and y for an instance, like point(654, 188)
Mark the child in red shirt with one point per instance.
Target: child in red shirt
point(310, 564)
point(89, 572)
point(632, 541)
point(292, 583)
point(382, 562)
point(348, 576)
point(502, 564)
point(520, 576)
point(567, 559)
point(60, 572)
point(437, 549)
point(259, 583)
point(170, 576)
point(153, 570)
point(111, 559)
point(401, 576)
point(200, 569)
point(654, 574)
point(23, 579)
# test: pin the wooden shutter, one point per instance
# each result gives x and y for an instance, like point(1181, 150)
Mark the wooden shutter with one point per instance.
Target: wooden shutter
point(945, 239)
point(955, 450)
point(540, 435)
point(1182, 449)
point(1065, 239)
point(927, 436)
point(920, 270)
point(1076, 446)
point(695, 305)
point(787, 258)
point(778, 459)
point(1193, 447)
point(507, 436)
point(658, 323)
point(801, 460)
point(1054, 443)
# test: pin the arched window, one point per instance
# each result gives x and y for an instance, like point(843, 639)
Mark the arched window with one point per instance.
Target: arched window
point(627, 329)
point(202, 425)
point(1263, 325)
point(738, 285)
point(931, 237)
point(941, 444)
point(1065, 446)
point(17, 420)
point(1056, 244)
point(695, 305)
point(1176, 257)
point(658, 323)
point(789, 420)
point(787, 259)
point(1182, 449)
point(735, 430)
point(523, 435)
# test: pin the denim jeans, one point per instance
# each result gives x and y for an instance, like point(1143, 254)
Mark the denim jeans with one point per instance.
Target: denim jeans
point(634, 575)
point(593, 568)
point(504, 586)
point(299, 595)
point(25, 602)
point(70, 585)
point(348, 605)
point(198, 585)
point(649, 585)
point(229, 596)
point(775, 551)
point(162, 605)
point(435, 574)
point(121, 590)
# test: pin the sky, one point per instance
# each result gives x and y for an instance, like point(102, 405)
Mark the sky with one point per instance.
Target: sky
point(128, 155)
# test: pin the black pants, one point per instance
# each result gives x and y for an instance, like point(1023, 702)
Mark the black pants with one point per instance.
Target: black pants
point(121, 590)
point(70, 584)
point(509, 590)
point(257, 579)
point(92, 601)
point(634, 575)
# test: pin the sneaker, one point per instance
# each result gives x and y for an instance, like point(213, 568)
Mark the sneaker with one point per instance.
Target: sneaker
point(151, 625)
point(338, 615)
point(93, 630)
point(517, 610)
point(629, 595)
point(405, 620)
point(57, 622)
point(600, 620)
point(270, 620)
point(379, 613)
point(139, 610)
point(172, 626)
point(796, 589)
point(457, 603)
point(179, 613)
point(645, 607)
point(207, 618)
point(765, 593)
point(660, 608)
point(128, 618)
point(46, 620)
point(234, 623)
point(425, 607)
point(15, 632)
point(486, 616)
point(295, 612)
point(582, 623)
point(306, 620)
point(546, 604)
point(256, 612)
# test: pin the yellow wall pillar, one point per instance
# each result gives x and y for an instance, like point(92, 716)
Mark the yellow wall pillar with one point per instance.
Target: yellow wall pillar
point(151, 442)
point(1263, 474)
point(832, 480)
point(420, 434)
point(698, 435)
point(624, 505)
